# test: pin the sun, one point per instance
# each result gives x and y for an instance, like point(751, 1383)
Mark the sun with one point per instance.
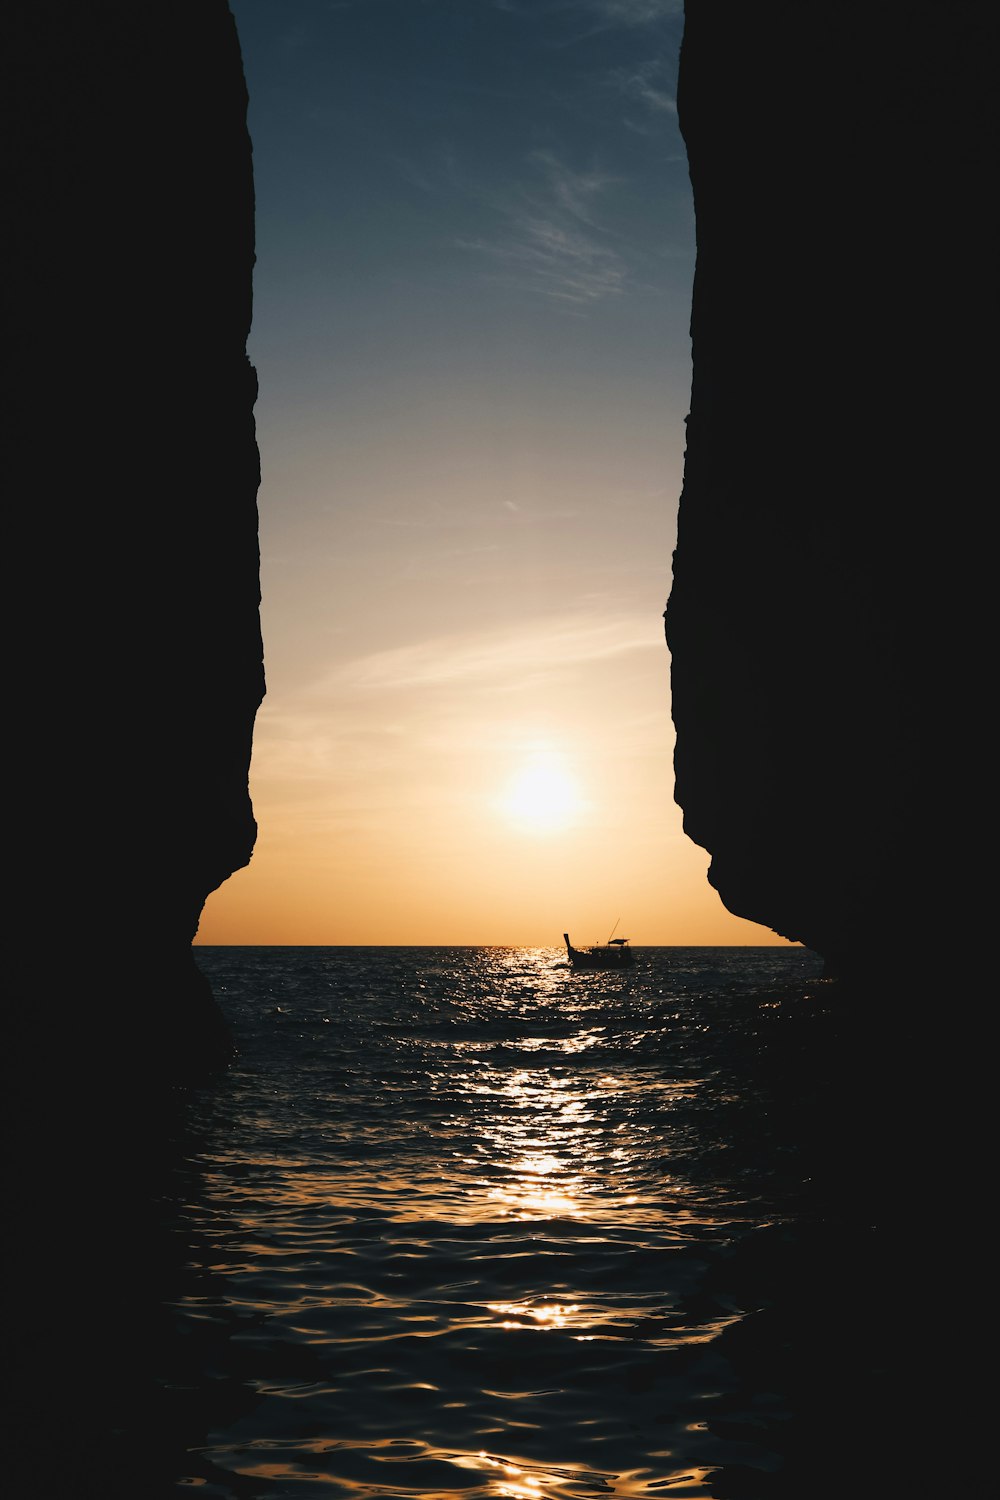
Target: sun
point(542, 796)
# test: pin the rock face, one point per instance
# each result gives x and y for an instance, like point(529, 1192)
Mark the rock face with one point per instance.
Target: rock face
point(134, 664)
point(825, 612)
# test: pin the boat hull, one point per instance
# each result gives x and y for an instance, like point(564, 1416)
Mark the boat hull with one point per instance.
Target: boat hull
point(588, 961)
point(608, 956)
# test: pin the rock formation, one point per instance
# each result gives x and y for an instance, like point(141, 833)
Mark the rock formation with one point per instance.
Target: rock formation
point(826, 616)
point(134, 663)
point(827, 625)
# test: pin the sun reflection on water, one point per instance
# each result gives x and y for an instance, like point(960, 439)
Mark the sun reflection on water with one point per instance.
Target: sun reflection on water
point(518, 1480)
point(548, 1147)
point(550, 1315)
point(515, 1482)
point(498, 1475)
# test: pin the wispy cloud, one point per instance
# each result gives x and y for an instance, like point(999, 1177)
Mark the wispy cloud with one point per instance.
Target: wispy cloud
point(491, 661)
point(575, 194)
point(633, 12)
point(646, 84)
point(605, 13)
point(547, 259)
point(551, 238)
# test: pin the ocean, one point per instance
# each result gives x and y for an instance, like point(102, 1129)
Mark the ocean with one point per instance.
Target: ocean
point(461, 1224)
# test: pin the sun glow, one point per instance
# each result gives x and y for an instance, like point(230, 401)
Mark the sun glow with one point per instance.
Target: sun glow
point(543, 796)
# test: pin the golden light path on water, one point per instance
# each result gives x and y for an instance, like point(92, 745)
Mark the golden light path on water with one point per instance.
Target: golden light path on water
point(536, 1151)
point(497, 1475)
point(547, 1144)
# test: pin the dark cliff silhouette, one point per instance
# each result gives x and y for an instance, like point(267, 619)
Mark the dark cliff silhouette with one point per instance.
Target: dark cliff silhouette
point(133, 667)
point(827, 624)
point(825, 618)
point(134, 655)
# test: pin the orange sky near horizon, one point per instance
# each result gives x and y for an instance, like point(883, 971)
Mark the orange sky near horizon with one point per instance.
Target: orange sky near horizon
point(475, 249)
point(505, 814)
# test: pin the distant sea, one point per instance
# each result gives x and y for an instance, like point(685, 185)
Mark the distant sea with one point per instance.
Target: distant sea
point(462, 1224)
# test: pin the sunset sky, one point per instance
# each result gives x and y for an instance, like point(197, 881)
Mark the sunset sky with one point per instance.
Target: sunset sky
point(475, 246)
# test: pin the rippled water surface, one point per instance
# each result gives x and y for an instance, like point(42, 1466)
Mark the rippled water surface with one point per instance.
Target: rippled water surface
point(457, 1222)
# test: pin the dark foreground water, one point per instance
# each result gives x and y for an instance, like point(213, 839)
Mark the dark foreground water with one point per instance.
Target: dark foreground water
point(461, 1224)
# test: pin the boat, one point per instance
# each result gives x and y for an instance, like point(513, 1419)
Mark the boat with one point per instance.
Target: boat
point(614, 954)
